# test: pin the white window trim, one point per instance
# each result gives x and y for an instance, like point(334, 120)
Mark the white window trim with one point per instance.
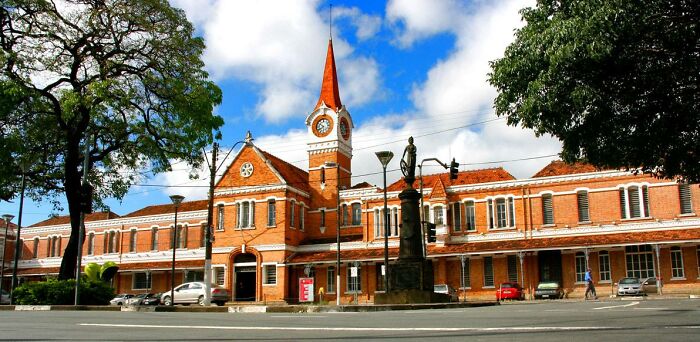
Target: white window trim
point(642, 210)
point(490, 210)
point(263, 269)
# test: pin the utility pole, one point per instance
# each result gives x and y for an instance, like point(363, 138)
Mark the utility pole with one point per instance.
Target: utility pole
point(208, 233)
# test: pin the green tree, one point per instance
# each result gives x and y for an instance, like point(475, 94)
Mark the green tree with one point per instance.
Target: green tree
point(615, 80)
point(124, 78)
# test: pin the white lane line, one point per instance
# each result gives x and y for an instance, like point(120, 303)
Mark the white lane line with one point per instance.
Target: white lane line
point(297, 316)
point(688, 327)
point(651, 308)
point(616, 306)
point(344, 328)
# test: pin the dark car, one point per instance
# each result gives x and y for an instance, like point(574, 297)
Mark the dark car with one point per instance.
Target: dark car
point(510, 290)
point(549, 290)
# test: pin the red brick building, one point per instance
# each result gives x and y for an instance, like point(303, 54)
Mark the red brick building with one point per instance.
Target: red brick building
point(275, 223)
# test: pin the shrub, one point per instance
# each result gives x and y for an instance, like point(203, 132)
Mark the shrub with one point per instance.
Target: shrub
point(61, 292)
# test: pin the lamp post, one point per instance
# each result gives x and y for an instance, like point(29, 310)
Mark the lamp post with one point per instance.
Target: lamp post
point(385, 158)
point(7, 218)
point(177, 199)
point(24, 165)
point(337, 230)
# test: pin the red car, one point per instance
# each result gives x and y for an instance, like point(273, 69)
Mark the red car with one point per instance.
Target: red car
point(510, 290)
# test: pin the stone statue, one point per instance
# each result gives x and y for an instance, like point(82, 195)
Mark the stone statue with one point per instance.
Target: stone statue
point(408, 163)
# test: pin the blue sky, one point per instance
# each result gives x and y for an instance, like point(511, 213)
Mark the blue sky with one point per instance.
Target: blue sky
point(406, 68)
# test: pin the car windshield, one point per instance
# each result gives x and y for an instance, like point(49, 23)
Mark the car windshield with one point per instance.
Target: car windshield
point(548, 286)
point(440, 288)
point(629, 281)
point(143, 295)
point(507, 285)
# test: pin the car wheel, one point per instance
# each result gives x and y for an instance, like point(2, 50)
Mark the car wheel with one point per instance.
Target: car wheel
point(220, 303)
point(200, 300)
point(167, 301)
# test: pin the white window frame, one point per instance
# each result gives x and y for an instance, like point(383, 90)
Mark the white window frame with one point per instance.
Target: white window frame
point(547, 209)
point(220, 216)
point(330, 279)
point(245, 217)
point(267, 280)
point(378, 223)
point(580, 267)
point(626, 207)
point(302, 223)
point(349, 281)
point(685, 197)
point(457, 217)
point(677, 269)
point(292, 214)
point(604, 267)
point(465, 281)
point(154, 238)
point(133, 236)
point(271, 213)
point(469, 206)
point(638, 255)
point(439, 214)
point(583, 206)
point(492, 204)
point(356, 220)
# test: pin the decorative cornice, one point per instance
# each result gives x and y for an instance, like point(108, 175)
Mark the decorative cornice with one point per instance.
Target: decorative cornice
point(537, 181)
point(260, 188)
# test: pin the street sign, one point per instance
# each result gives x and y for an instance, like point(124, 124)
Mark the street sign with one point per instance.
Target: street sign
point(306, 289)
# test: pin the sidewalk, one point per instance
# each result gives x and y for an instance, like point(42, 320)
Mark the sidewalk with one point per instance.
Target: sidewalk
point(251, 308)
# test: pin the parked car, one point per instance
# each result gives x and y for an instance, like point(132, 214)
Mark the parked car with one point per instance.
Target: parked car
point(633, 286)
point(144, 299)
point(191, 293)
point(120, 299)
point(549, 290)
point(510, 290)
point(448, 290)
point(4, 297)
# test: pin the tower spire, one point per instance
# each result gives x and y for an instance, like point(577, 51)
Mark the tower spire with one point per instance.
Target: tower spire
point(330, 94)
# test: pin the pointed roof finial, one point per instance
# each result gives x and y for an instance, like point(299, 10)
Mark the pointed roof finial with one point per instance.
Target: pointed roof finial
point(330, 22)
point(248, 138)
point(330, 94)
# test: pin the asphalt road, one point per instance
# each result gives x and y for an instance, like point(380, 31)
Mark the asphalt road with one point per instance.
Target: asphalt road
point(629, 320)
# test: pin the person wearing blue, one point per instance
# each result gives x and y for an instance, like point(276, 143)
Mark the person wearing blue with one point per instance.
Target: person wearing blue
point(589, 285)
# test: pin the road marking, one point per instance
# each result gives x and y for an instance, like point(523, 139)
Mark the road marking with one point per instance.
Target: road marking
point(297, 316)
point(651, 308)
point(616, 306)
point(688, 327)
point(344, 328)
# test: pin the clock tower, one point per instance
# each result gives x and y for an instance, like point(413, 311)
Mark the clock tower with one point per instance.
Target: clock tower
point(330, 140)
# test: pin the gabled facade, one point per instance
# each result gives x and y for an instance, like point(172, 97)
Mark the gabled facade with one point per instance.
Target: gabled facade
point(275, 223)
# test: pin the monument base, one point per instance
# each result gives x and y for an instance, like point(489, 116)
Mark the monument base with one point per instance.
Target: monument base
point(411, 282)
point(410, 297)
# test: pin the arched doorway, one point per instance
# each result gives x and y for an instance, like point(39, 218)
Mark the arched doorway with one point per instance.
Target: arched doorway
point(244, 275)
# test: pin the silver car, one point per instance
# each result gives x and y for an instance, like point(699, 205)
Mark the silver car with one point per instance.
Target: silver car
point(633, 286)
point(193, 293)
point(120, 299)
point(448, 290)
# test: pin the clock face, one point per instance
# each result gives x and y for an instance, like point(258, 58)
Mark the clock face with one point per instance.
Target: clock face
point(344, 132)
point(246, 169)
point(323, 126)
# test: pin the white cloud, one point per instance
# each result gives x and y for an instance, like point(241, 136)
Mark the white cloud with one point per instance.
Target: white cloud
point(366, 25)
point(281, 47)
point(417, 19)
point(455, 94)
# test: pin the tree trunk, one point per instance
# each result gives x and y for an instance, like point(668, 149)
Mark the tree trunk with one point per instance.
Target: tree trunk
point(73, 196)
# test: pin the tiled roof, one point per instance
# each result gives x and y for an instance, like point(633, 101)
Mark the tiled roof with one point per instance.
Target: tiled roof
point(438, 189)
point(293, 175)
point(463, 178)
point(362, 185)
point(508, 245)
point(66, 219)
point(330, 95)
point(560, 168)
point(169, 208)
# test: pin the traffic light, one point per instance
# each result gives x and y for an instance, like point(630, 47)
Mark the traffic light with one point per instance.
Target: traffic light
point(431, 231)
point(454, 169)
point(86, 191)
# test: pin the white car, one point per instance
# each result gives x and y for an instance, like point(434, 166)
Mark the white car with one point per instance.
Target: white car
point(4, 297)
point(193, 293)
point(120, 299)
point(448, 290)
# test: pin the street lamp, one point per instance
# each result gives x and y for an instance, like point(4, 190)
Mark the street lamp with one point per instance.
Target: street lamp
point(385, 158)
point(7, 218)
point(177, 199)
point(24, 164)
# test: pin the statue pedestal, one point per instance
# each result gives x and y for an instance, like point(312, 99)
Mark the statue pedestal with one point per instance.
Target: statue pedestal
point(411, 277)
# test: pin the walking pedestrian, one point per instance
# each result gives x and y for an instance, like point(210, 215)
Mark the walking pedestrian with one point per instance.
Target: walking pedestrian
point(589, 285)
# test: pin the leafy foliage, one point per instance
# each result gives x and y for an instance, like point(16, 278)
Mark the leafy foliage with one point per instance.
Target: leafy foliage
point(615, 80)
point(62, 292)
point(106, 272)
point(122, 79)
